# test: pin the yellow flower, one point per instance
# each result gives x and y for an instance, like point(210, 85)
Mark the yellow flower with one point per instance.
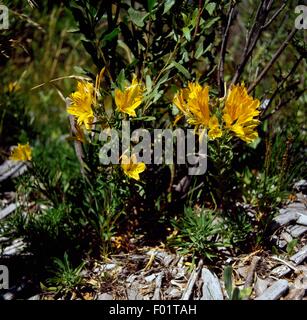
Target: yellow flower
point(214, 128)
point(193, 101)
point(131, 167)
point(81, 105)
point(22, 152)
point(240, 112)
point(129, 99)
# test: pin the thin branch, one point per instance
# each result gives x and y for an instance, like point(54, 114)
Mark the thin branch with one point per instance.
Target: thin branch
point(293, 69)
point(284, 103)
point(274, 16)
point(253, 36)
point(274, 58)
point(223, 50)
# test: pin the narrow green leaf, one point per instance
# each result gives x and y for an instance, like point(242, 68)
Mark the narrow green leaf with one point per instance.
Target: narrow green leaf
point(199, 50)
point(228, 280)
point(151, 4)
point(121, 80)
point(211, 22)
point(168, 5)
point(137, 17)
point(187, 33)
point(236, 294)
point(148, 83)
point(210, 7)
point(111, 35)
point(181, 69)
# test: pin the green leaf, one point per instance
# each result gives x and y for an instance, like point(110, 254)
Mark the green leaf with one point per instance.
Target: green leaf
point(111, 35)
point(187, 34)
point(151, 4)
point(199, 50)
point(290, 247)
point(181, 69)
point(148, 83)
point(168, 5)
point(245, 293)
point(137, 17)
point(228, 280)
point(210, 7)
point(121, 80)
point(235, 294)
point(211, 22)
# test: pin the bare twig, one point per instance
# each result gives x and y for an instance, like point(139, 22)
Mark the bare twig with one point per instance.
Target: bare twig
point(274, 58)
point(293, 69)
point(223, 50)
point(284, 103)
point(251, 271)
point(194, 276)
point(259, 25)
point(274, 16)
point(288, 264)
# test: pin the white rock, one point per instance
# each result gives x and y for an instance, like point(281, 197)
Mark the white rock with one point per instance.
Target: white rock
point(302, 220)
point(280, 271)
point(150, 278)
point(297, 231)
point(275, 291)
point(211, 286)
point(260, 286)
point(8, 210)
point(300, 256)
point(285, 218)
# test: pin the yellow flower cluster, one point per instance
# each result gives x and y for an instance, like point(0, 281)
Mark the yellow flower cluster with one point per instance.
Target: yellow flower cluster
point(238, 114)
point(83, 99)
point(126, 101)
point(22, 152)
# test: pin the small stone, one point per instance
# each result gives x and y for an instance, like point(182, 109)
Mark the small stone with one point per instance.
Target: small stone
point(36, 297)
point(280, 271)
point(286, 236)
point(11, 169)
point(150, 278)
point(281, 243)
point(297, 231)
point(8, 296)
point(174, 294)
point(301, 186)
point(302, 220)
point(108, 267)
point(104, 296)
point(260, 286)
point(300, 256)
point(8, 210)
point(275, 291)
point(301, 197)
point(17, 247)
